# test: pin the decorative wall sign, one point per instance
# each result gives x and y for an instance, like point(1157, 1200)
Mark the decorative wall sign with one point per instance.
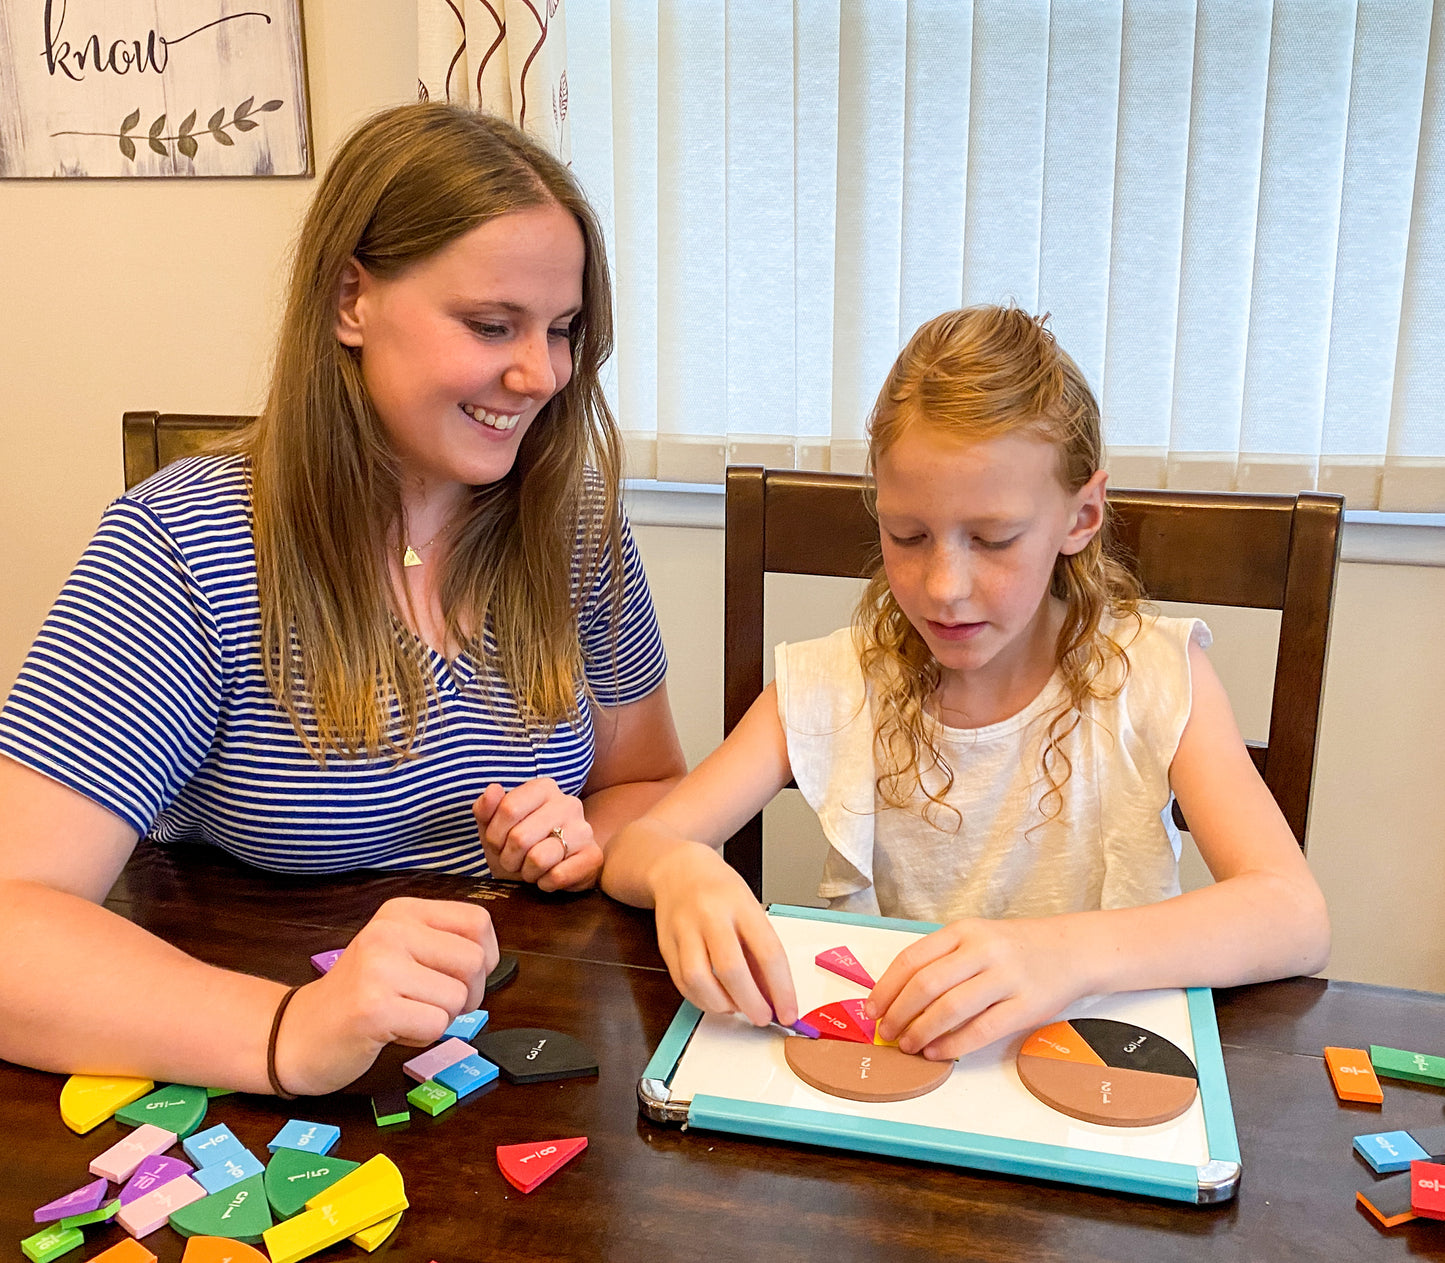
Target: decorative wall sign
point(152, 88)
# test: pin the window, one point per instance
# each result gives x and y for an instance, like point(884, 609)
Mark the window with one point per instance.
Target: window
point(1234, 211)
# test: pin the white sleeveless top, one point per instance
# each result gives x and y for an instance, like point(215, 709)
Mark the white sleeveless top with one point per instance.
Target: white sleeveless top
point(1113, 845)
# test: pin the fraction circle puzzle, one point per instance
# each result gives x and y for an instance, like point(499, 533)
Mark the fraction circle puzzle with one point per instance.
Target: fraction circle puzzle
point(863, 1072)
point(1107, 1072)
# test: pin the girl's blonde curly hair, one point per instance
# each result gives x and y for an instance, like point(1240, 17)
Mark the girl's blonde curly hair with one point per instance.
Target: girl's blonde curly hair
point(981, 373)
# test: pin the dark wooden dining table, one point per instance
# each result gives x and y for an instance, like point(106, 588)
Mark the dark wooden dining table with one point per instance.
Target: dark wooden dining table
point(590, 967)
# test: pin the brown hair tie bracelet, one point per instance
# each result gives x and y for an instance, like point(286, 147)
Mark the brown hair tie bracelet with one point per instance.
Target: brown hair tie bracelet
point(271, 1047)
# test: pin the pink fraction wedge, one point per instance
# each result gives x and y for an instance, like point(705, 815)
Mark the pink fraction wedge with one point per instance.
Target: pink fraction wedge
point(840, 961)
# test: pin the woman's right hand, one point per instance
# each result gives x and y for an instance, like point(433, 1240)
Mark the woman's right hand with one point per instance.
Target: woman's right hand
point(719, 948)
point(411, 970)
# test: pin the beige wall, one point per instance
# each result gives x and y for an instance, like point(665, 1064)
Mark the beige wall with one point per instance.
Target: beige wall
point(150, 294)
point(162, 294)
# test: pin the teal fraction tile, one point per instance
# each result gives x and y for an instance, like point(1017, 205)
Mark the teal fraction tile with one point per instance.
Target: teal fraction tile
point(231, 1169)
point(1388, 1151)
point(467, 1075)
point(310, 1137)
point(467, 1025)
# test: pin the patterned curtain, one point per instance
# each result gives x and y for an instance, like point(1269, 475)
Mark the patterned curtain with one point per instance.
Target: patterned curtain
point(505, 56)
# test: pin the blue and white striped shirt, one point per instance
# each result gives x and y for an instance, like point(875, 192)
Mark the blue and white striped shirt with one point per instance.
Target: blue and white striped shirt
point(145, 692)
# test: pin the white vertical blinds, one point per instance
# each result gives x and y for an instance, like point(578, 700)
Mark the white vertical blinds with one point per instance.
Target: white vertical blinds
point(1234, 211)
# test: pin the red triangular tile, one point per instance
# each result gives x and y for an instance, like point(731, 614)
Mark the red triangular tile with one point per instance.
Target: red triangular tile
point(833, 1021)
point(526, 1166)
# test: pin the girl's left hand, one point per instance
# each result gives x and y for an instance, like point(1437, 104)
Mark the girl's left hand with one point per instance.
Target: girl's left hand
point(976, 981)
point(536, 833)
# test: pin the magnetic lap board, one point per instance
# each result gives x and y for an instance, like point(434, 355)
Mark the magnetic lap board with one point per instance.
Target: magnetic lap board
point(719, 1073)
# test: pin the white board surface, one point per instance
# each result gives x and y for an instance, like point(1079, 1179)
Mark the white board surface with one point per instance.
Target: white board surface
point(728, 1057)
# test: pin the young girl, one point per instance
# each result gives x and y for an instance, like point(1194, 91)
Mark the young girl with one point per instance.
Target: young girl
point(402, 626)
point(995, 744)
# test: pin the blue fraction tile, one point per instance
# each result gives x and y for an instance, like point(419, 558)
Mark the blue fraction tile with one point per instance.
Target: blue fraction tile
point(1388, 1151)
point(310, 1137)
point(467, 1025)
point(467, 1075)
point(231, 1169)
point(206, 1148)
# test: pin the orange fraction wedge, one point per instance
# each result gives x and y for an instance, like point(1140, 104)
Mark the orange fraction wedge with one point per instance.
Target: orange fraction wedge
point(1060, 1042)
point(220, 1250)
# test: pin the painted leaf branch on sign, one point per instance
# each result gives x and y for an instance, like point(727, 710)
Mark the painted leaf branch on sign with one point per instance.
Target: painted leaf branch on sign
point(158, 141)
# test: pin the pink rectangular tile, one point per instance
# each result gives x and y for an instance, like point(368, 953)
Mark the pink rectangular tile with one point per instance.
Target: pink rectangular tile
point(426, 1066)
point(146, 1214)
point(119, 1162)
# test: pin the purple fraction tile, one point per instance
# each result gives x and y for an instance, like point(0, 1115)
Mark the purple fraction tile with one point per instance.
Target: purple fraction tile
point(426, 1065)
point(151, 1174)
point(80, 1202)
point(806, 1029)
point(323, 961)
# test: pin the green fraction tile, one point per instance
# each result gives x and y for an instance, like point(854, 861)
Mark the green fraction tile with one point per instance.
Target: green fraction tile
point(239, 1212)
point(293, 1177)
point(390, 1109)
point(51, 1243)
point(176, 1107)
point(1413, 1067)
point(432, 1097)
point(100, 1215)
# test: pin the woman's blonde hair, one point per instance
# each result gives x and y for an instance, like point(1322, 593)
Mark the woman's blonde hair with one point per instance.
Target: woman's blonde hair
point(981, 373)
point(326, 486)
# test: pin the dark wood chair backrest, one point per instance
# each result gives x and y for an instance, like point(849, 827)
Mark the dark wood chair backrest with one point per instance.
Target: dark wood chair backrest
point(1263, 551)
point(153, 439)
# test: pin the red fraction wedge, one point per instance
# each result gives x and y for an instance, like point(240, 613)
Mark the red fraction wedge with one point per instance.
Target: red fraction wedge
point(834, 1021)
point(526, 1166)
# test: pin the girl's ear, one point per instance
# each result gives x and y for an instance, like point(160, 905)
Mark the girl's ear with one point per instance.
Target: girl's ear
point(355, 281)
point(1088, 510)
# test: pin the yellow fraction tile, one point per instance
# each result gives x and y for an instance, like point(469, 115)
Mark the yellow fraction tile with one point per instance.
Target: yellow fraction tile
point(369, 1238)
point(87, 1100)
point(379, 1168)
point(331, 1220)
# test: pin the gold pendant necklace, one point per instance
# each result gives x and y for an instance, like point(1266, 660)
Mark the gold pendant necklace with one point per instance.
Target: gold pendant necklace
point(412, 554)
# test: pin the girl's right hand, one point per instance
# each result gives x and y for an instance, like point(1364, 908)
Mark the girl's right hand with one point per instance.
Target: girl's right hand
point(411, 970)
point(719, 948)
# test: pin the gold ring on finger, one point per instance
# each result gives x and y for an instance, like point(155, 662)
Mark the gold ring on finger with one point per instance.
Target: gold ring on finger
point(562, 838)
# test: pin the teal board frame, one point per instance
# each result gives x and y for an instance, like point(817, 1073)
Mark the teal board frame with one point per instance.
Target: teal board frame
point(1215, 1181)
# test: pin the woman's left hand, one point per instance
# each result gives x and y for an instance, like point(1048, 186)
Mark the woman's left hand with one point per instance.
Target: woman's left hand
point(536, 833)
point(976, 981)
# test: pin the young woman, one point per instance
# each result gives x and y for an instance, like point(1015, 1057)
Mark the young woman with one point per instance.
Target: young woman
point(403, 624)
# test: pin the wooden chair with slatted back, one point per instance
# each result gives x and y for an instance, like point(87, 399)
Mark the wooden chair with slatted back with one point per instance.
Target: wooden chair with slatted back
point(151, 440)
point(1276, 552)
